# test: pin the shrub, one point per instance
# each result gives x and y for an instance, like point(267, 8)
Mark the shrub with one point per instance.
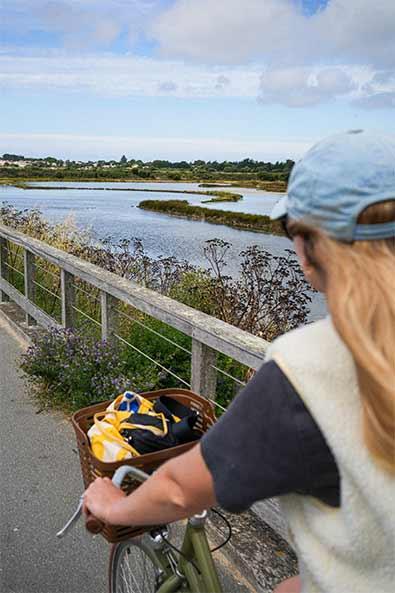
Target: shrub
point(268, 297)
point(77, 370)
point(259, 222)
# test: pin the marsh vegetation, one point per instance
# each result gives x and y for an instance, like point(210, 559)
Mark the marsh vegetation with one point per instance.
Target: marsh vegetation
point(239, 220)
point(268, 297)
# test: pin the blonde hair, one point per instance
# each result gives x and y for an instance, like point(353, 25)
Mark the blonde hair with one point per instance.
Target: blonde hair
point(359, 281)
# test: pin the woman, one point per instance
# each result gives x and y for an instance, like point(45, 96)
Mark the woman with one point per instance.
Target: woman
point(316, 424)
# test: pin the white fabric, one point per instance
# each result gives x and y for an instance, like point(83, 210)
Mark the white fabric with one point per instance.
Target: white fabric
point(350, 549)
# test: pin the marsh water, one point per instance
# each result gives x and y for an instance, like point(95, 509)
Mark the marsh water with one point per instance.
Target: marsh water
point(108, 209)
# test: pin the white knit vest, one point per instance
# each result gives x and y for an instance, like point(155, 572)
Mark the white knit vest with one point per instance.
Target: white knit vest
point(350, 549)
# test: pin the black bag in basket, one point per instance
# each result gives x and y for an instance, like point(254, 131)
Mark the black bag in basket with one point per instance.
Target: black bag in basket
point(179, 421)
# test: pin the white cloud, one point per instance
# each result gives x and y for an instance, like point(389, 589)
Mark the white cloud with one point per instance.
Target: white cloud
point(381, 100)
point(218, 31)
point(276, 31)
point(91, 23)
point(303, 87)
point(383, 77)
point(378, 92)
point(168, 86)
point(225, 30)
point(360, 30)
point(125, 76)
point(207, 48)
point(222, 82)
point(344, 51)
point(334, 81)
point(110, 75)
point(95, 147)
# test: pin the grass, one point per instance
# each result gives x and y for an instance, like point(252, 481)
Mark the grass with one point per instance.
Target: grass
point(223, 196)
point(240, 220)
point(271, 186)
point(218, 196)
point(69, 382)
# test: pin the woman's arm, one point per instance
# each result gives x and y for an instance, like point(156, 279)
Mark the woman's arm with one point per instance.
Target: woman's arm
point(180, 488)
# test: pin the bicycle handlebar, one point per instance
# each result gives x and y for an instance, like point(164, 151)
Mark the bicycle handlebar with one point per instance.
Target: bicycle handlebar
point(92, 524)
point(121, 473)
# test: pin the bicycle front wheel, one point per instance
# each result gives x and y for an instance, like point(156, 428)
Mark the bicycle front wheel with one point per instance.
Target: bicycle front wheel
point(134, 568)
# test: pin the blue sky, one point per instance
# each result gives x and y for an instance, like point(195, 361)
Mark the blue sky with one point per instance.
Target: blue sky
point(192, 78)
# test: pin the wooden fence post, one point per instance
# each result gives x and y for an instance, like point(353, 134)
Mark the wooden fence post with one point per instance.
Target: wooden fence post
point(204, 377)
point(108, 316)
point(29, 269)
point(4, 298)
point(68, 298)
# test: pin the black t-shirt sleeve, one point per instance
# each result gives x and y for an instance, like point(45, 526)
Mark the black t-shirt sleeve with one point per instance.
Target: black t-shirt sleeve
point(267, 444)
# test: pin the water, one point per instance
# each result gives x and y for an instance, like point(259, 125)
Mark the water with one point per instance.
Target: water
point(115, 214)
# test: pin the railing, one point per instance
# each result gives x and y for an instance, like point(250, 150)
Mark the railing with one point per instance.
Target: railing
point(209, 336)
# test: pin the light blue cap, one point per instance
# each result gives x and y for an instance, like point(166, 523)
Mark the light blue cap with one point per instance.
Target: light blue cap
point(337, 179)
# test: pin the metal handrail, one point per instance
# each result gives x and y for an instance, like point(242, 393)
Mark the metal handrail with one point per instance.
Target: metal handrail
point(86, 315)
point(152, 360)
point(46, 289)
point(153, 331)
point(14, 269)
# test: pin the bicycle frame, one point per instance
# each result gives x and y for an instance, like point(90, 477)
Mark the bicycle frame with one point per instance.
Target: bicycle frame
point(195, 563)
point(194, 567)
point(195, 552)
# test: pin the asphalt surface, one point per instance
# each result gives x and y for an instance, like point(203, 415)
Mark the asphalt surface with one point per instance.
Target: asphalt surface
point(40, 487)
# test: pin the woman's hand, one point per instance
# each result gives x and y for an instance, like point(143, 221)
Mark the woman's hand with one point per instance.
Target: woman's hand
point(179, 488)
point(100, 498)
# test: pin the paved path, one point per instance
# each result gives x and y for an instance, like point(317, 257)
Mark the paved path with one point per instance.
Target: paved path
point(40, 485)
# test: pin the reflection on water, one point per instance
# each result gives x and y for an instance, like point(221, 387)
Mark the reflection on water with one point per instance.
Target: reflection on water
point(115, 214)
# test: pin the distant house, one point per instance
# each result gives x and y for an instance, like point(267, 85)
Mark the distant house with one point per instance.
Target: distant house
point(20, 164)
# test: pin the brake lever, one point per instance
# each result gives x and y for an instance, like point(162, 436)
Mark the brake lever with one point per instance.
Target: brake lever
point(117, 480)
point(76, 515)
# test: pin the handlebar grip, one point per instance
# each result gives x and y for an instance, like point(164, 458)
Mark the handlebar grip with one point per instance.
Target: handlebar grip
point(93, 525)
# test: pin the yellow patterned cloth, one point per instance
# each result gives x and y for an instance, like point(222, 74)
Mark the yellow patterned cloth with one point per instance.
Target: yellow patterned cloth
point(106, 441)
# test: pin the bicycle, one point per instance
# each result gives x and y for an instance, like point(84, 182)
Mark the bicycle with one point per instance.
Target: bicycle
point(151, 562)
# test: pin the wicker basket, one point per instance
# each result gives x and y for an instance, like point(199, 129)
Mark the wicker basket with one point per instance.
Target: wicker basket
point(93, 468)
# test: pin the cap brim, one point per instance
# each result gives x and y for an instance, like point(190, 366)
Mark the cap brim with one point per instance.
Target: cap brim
point(280, 209)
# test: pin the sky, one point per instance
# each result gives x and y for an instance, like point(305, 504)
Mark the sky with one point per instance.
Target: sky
point(192, 79)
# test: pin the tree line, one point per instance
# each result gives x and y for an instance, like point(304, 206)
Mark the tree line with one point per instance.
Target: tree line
point(125, 168)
